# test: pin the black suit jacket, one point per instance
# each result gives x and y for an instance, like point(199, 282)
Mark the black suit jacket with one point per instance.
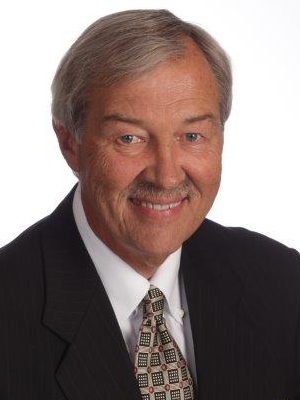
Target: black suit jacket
point(60, 340)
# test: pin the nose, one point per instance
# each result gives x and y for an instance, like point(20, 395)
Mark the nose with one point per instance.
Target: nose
point(165, 167)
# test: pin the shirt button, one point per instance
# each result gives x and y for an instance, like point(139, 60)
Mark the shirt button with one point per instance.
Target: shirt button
point(180, 313)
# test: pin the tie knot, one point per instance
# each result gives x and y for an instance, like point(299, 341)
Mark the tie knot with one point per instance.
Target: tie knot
point(154, 303)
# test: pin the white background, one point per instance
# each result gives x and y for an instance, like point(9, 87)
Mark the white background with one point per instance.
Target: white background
point(261, 168)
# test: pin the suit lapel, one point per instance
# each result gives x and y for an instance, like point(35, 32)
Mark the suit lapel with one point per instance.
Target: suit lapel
point(208, 287)
point(234, 358)
point(96, 364)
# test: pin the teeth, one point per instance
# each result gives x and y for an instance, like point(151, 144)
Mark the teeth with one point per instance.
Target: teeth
point(174, 204)
point(158, 207)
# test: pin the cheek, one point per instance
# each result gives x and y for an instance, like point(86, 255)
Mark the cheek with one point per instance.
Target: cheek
point(206, 172)
point(109, 170)
point(124, 170)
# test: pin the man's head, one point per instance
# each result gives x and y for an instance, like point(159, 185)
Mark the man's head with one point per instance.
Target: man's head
point(139, 105)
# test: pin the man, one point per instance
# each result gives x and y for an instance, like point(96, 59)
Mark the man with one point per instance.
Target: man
point(126, 291)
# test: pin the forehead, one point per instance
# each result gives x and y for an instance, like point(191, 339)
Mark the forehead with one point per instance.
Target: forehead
point(172, 87)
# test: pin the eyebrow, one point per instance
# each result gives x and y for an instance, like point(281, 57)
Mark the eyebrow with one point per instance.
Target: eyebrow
point(116, 117)
point(199, 118)
point(121, 118)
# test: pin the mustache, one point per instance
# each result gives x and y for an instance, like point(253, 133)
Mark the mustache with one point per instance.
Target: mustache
point(149, 189)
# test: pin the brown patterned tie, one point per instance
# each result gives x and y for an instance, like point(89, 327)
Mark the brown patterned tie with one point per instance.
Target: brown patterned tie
point(159, 367)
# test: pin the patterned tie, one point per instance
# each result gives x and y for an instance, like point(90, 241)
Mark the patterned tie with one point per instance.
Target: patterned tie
point(159, 367)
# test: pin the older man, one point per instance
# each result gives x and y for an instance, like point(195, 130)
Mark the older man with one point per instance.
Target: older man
point(126, 291)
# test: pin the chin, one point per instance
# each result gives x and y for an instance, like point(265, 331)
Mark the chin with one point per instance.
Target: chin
point(158, 249)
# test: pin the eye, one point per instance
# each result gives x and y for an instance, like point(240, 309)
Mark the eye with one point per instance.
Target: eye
point(192, 137)
point(129, 139)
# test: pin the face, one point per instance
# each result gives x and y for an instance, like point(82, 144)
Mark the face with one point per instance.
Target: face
point(150, 159)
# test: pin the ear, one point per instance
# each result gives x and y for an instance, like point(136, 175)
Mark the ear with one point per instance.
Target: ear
point(68, 146)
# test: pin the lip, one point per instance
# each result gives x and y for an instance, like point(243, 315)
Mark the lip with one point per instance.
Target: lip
point(159, 216)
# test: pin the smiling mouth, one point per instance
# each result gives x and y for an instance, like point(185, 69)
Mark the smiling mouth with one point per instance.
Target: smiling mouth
point(156, 206)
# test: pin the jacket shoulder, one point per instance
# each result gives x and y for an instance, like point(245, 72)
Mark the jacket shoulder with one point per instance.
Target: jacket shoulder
point(256, 252)
point(247, 240)
point(22, 245)
point(21, 262)
point(25, 251)
point(22, 290)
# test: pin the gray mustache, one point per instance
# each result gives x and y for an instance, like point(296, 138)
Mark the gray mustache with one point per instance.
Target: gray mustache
point(148, 189)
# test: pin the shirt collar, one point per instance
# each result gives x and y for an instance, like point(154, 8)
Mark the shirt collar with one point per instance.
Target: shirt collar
point(166, 278)
point(124, 286)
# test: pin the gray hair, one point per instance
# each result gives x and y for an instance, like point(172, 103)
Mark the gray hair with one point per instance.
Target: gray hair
point(124, 44)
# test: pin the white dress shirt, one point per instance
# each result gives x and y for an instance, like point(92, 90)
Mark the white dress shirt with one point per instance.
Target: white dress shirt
point(126, 289)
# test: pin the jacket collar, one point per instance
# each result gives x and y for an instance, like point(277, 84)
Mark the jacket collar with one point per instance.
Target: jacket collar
point(77, 309)
point(70, 276)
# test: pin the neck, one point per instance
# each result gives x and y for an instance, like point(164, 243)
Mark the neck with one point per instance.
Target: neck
point(145, 264)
